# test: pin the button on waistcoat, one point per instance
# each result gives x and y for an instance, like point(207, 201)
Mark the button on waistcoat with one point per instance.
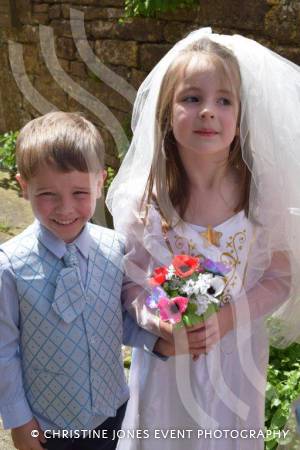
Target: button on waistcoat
point(71, 368)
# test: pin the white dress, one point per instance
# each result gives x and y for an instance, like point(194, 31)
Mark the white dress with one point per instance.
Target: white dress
point(216, 402)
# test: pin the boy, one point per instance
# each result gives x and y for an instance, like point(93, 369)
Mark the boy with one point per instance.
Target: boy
point(60, 312)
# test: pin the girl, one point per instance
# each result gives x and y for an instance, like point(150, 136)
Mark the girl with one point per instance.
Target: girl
point(212, 170)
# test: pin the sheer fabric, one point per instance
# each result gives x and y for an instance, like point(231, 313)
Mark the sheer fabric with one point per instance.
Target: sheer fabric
point(270, 139)
point(226, 388)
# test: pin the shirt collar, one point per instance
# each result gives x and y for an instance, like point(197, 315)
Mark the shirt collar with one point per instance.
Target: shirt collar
point(57, 246)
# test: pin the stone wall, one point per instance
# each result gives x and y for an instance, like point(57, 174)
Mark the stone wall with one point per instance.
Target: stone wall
point(33, 80)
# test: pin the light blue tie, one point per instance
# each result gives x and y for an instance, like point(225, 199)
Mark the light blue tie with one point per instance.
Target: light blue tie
point(69, 297)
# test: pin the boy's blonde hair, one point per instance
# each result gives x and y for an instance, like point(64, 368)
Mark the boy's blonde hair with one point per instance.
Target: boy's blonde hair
point(167, 175)
point(64, 140)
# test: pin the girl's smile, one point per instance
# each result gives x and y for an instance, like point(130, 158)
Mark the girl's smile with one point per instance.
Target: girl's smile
point(206, 132)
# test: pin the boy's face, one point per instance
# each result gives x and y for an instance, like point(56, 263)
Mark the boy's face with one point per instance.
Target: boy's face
point(63, 201)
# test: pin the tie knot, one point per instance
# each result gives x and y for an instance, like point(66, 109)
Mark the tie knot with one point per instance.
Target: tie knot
point(70, 257)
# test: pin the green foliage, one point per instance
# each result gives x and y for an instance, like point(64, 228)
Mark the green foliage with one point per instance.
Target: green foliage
point(149, 8)
point(127, 362)
point(5, 229)
point(8, 151)
point(111, 173)
point(283, 387)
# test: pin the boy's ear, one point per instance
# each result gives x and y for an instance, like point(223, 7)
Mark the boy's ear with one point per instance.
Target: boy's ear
point(23, 184)
point(101, 180)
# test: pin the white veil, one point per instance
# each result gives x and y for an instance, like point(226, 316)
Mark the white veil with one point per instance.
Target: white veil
point(270, 142)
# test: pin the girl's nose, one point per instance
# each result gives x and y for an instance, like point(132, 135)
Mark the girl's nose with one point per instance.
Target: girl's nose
point(207, 113)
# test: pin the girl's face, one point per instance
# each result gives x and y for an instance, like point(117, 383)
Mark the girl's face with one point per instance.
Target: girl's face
point(204, 111)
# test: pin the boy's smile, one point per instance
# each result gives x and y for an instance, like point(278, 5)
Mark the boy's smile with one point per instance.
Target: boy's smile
point(63, 201)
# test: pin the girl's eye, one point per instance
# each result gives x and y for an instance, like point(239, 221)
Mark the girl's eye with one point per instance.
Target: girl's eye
point(191, 99)
point(224, 101)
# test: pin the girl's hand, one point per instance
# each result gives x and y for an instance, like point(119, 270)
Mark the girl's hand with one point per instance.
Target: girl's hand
point(203, 337)
point(23, 439)
point(166, 331)
point(164, 347)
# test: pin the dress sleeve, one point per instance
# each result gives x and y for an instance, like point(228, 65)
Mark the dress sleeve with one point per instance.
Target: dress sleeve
point(134, 336)
point(268, 294)
point(14, 407)
point(145, 250)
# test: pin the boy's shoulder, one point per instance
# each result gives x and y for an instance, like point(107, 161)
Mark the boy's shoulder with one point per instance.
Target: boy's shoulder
point(106, 236)
point(21, 243)
point(100, 232)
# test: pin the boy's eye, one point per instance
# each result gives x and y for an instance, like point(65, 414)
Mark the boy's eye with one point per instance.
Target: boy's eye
point(81, 193)
point(46, 194)
point(224, 101)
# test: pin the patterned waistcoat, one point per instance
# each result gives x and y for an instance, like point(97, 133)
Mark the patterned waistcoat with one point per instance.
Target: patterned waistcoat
point(70, 371)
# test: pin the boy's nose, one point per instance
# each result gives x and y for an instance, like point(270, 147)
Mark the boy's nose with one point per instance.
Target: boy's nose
point(65, 205)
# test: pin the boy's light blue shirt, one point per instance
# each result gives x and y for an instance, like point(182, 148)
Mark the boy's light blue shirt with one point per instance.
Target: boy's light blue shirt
point(14, 406)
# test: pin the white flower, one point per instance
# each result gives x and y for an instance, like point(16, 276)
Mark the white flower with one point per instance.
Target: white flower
point(217, 286)
point(189, 288)
point(203, 301)
point(203, 283)
point(171, 272)
point(202, 304)
point(204, 290)
point(207, 288)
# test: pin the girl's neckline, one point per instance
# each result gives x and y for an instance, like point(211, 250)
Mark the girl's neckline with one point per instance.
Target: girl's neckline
point(225, 222)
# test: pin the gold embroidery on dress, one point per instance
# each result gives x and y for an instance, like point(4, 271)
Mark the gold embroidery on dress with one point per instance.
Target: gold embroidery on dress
point(180, 242)
point(192, 248)
point(226, 298)
point(211, 237)
point(231, 258)
point(248, 256)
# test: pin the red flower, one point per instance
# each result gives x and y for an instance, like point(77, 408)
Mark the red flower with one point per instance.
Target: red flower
point(185, 265)
point(159, 276)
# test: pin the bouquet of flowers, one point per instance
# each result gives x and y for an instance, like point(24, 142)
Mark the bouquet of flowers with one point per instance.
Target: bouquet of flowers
point(188, 291)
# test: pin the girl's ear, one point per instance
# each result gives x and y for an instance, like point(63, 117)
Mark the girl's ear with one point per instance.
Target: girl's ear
point(23, 184)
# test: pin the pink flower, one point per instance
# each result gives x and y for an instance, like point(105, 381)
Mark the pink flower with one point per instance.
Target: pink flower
point(171, 309)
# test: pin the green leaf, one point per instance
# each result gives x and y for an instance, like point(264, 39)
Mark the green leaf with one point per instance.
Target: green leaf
point(8, 151)
point(271, 444)
point(150, 8)
point(212, 309)
point(280, 418)
point(275, 402)
point(127, 362)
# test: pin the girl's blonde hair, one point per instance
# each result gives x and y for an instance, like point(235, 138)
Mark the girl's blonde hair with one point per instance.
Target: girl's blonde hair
point(167, 175)
point(64, 140)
